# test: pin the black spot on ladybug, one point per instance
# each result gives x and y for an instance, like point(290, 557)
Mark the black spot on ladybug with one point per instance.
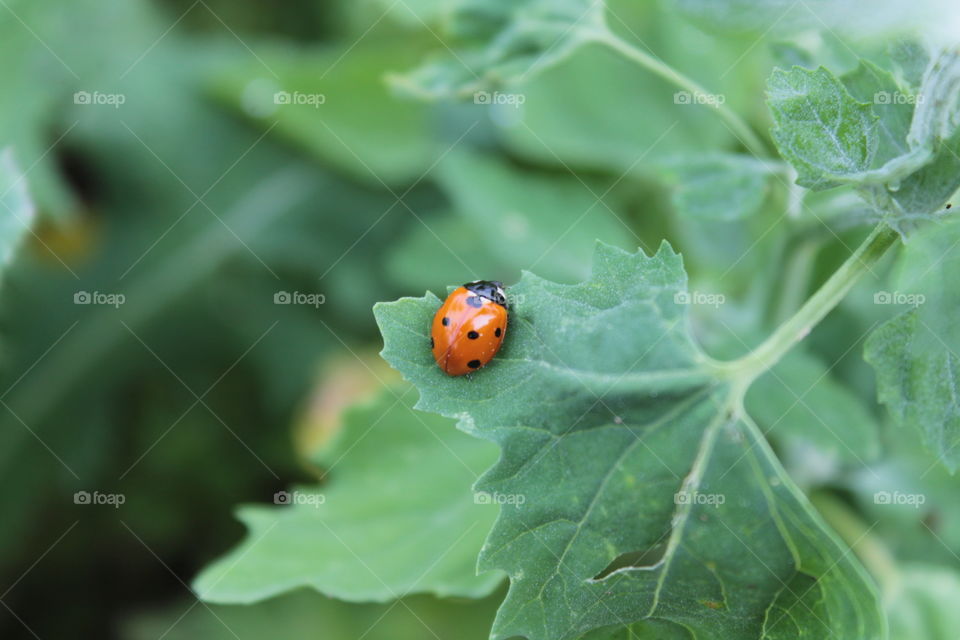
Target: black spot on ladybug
point(475, 301)
point(473, 335)
point(431, 343)
point(498, 332)
point(474, 364)
point(445, 321)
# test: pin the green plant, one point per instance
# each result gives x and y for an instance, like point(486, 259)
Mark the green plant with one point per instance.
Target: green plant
point(648, 500)
point(726, 403)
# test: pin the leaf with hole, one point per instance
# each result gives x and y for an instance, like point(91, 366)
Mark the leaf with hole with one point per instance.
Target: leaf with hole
point(634, 487)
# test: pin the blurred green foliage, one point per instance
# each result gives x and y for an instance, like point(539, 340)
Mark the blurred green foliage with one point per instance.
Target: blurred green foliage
point(204, 162)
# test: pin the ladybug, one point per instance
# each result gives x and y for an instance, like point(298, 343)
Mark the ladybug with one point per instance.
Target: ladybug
point(469, 327)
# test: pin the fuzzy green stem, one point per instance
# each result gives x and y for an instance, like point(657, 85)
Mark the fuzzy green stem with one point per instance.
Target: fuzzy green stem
point(739, 128)
point(796, 278)
point(765, 356)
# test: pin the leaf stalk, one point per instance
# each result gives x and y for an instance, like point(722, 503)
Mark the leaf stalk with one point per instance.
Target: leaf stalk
point(746, 369)
point(738, 127)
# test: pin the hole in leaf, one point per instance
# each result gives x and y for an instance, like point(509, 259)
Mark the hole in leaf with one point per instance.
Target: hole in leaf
point(634, 559)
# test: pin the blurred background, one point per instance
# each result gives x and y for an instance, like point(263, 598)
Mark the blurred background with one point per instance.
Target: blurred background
point(224, 188)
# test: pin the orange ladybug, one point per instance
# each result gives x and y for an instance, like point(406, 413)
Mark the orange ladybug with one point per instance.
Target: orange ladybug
point(469, 327)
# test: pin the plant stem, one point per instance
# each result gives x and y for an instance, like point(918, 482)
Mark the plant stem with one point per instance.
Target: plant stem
point(747, 368)
point(740, 128)
point(796, 278)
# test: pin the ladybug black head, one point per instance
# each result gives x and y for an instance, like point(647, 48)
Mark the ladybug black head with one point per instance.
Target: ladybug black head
point(489, 289)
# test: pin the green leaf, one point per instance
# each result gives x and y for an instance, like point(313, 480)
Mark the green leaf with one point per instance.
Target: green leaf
point(397, 517)
point(893, 106)
point(820, 128)
point(915, 353)
point(16, 208)
point(900, 150)
point(934, 137)
point(337, 107)
point(925, 604)
point(506, 219)
point(718, 186)
point(531, 219)
point(645, 630)
point(937, 113)
point(910, 59)
point(634, 487)
point(597, 126)
point(919, 166)
point(305, 614)
point(500, 41)
point(926, 192)
point(557, 127)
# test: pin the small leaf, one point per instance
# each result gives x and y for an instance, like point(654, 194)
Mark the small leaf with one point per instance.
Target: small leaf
point(915, 354)
point(397, 517)
point(633, 488)
point(916, 183)
point(820, 128)
point(718, 186)
point(934, 136)
point(893, 106)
